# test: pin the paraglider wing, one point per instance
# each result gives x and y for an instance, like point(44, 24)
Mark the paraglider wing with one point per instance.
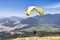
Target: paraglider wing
point(31, 8)
point(39, 10)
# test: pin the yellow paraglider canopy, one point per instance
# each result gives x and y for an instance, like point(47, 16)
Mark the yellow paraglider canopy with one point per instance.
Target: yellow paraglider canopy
point(31, 8)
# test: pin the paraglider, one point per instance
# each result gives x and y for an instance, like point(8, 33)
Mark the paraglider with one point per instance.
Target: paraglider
point(31, 8)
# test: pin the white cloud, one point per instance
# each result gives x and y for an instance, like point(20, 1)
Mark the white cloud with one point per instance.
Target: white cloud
point(52, 9)
point(52, 12)
point(57, 5)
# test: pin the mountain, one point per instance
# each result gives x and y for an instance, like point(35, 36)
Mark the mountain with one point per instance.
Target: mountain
point(30, 21)
point(46, 19)
point(10, 22)
point(49, 19)
point(14, 24)
point(15, 18)
point(19, 23)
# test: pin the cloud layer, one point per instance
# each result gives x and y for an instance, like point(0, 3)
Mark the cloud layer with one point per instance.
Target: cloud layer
point(52, 8)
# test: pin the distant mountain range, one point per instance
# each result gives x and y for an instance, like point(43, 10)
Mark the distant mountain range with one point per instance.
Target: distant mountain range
point(46, 19)
point(19, 22)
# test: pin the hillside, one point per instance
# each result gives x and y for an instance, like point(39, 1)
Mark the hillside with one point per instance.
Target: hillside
point(42, 27)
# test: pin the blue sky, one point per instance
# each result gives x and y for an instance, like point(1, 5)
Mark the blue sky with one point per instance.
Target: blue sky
point(17, 7)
